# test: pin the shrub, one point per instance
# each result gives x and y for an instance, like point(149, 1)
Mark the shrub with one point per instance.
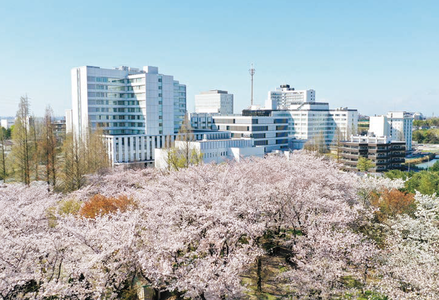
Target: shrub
point(100, 205)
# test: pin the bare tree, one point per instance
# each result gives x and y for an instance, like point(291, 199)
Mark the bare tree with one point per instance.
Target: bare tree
point(183, 154)
point(73, 165)
point(96, 152)
point(317, 143)
point(35, 133)
point(48, 146)
point(82, 155)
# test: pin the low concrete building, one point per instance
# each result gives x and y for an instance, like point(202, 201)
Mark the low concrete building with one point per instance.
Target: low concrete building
point(214, 149)
point(382, 151)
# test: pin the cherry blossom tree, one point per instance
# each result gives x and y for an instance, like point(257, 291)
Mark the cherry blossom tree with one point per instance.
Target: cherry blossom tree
point(27, 243)
point(192, 232)
point(410, 263)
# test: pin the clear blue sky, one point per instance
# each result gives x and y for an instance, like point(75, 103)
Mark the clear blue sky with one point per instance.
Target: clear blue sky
point(371, 55)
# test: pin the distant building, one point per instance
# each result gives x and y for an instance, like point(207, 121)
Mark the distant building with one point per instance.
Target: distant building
point(69, 120)
point(382, 151)
point(202, 121)
point(285, 96)
point(309, 119)
point(304, 120)
point(215, 147)
point(395, 125)
point(59, 128)
point(267, 131)
point(418, 116)
point(214, 102)
point(7, 123)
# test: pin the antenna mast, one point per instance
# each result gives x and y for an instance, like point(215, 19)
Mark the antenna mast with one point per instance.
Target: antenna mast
point(252, 72)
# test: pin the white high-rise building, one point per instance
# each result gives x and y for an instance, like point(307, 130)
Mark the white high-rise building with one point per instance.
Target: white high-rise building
point(396, 125)
point(305, 120)
point(214, 102)
point(315, 120)
point(379, 126)
point(309, 119)
point(285, 96)
point(127, 101)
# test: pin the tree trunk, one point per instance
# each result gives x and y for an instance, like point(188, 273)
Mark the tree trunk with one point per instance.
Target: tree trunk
point(259, 274)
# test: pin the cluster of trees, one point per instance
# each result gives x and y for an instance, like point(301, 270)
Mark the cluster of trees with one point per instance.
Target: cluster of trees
point(427, 136)
point(6, 133)
point(195, 232)
point(183, 154)
point(425, 182)
point(428, 122)
point(38, 155)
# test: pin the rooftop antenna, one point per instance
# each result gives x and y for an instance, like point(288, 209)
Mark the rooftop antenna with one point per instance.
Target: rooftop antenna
point(252, 72)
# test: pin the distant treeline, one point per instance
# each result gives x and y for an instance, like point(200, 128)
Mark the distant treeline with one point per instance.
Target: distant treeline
point(427, 136)
point(429, 122)
point(425, 182)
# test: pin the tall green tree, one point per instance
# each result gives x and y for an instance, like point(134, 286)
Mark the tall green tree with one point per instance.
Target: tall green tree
point(364, 164)
point(22, 150)
point(2, 154)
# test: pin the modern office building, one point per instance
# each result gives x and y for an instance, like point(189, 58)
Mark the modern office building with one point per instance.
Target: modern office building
point(202, 121)
point(126, 101)
point(214, 102)
point(267, 131)
point(306, 120)
point(309, 119)
point(395, 125)
point(215, 147)
point(315, 120)
point(285, 96)
point(382, 151)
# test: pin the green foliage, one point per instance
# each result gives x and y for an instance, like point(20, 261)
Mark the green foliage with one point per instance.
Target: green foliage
point(23, 150)
point(425, 182)
point(183, 155)
point(69, 206)
point(65, 207)
point(429, 122)
point(364, 164)
point(6, 133)
point(369, 295)
point(3, 171)
point(427, 136)
point(178, 158)
point(398, 174)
